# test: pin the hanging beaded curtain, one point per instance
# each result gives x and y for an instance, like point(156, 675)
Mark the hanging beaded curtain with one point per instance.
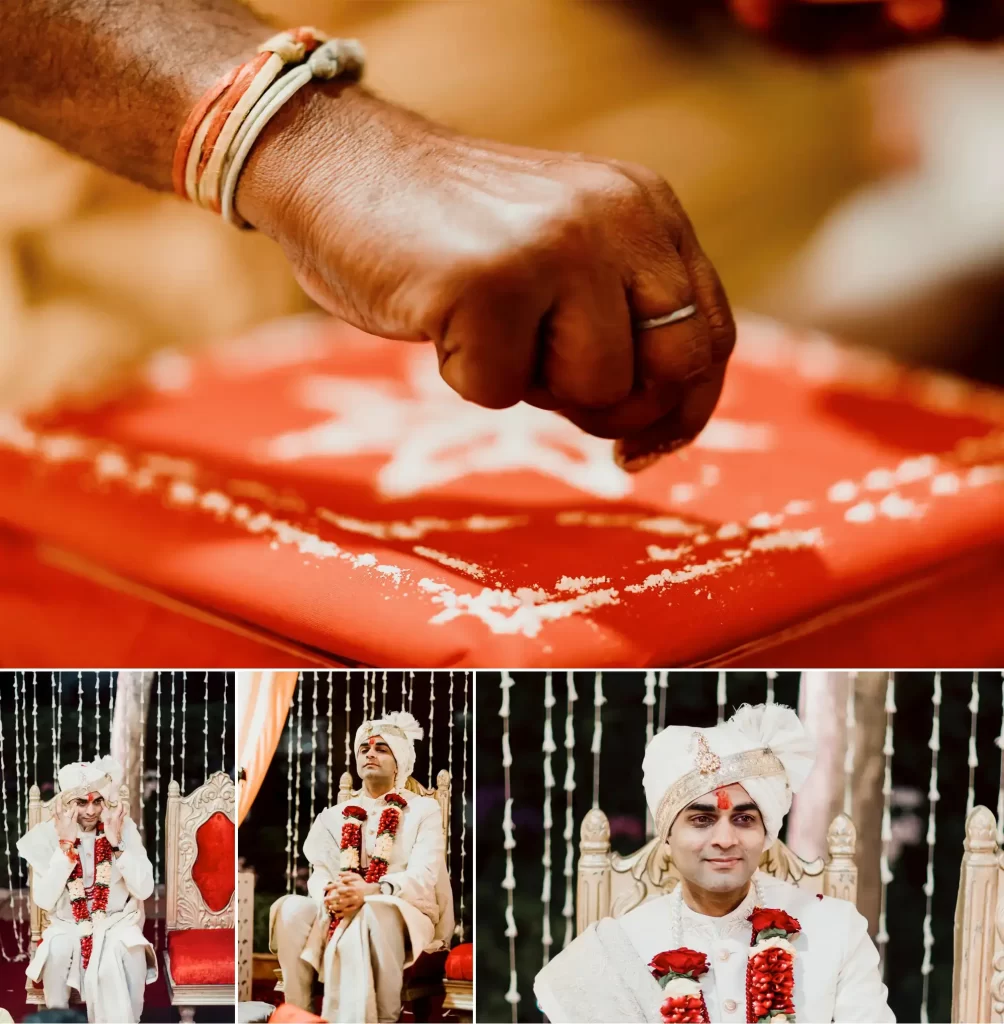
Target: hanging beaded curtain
point(627, 709)
point(316, 749)
point(104, 713)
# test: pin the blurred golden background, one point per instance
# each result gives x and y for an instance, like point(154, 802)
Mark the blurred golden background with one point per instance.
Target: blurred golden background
point(865, 197)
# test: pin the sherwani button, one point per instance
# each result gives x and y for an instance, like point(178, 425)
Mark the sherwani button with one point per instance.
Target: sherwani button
point(730, 1005)
point(724, 955)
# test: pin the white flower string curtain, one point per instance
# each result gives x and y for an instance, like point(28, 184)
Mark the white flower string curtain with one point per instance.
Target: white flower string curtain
point(15, 915)
point(568, 909)
point(974, 761)
point(548, 748)
point(598, 701)
point(463, 806)
point(649, 701)
point(933, 796)
point(721, 697)
point(771, 677)
point(885, 872)
point(512, 997)
point(850, 729)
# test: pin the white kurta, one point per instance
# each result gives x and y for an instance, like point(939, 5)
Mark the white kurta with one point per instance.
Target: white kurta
point(361, 966)
point(836, 963)
point(122, 962)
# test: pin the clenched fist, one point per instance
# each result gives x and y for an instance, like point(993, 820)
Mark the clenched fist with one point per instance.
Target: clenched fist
point(527, 269)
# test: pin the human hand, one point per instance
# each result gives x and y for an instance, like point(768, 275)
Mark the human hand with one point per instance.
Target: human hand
point(525, 267)
point(64, 817)
point(851, 25)
point(114, 821)
point(351, 891)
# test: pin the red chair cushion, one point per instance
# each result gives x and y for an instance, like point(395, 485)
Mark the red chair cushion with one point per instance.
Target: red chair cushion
point(202, 956)
point(324, 487)
point(460, 962)
point(213, 870)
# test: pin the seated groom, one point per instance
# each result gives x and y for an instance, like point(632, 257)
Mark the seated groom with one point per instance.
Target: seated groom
point(91, 873)
point(729, 943)
point(379, 890)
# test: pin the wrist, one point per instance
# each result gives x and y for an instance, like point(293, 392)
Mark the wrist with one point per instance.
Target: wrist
point(322, 118)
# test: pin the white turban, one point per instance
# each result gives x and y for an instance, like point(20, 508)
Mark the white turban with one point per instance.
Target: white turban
point(399, 731)
point(765, 748)
point(102, 776)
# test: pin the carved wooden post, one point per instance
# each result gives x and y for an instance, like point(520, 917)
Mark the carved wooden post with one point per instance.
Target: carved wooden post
point(171, 853)
point(840, 876)
point(245, 933)
point(975, 912)
point(592, 897)
point(344, 788)
point(34, 817)
point(443, 797)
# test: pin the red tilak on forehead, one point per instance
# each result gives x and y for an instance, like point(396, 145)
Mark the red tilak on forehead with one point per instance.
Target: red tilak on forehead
point(374, 740)
point(724, 803)
point(93, 796)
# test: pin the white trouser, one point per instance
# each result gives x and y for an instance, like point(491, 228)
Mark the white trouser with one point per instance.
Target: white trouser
point(121, 979)
point(376, 933)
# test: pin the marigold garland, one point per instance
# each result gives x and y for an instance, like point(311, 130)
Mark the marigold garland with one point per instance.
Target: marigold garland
point(96, 895)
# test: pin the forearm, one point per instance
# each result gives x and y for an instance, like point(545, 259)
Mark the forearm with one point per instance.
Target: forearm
point(114, 80)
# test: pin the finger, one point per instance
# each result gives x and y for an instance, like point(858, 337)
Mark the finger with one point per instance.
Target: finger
point(678, 429)
point(588, 353)
point(488, 351)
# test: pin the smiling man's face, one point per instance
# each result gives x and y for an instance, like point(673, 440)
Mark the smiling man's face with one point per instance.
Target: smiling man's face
point(716, 841)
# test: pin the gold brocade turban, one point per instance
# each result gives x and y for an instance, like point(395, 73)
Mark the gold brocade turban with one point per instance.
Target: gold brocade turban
point(764, 748)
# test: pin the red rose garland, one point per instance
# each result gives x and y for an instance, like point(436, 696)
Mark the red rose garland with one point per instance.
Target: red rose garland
point(677, 971)
point(96, 895)
point(352, 842)
point(770, 976)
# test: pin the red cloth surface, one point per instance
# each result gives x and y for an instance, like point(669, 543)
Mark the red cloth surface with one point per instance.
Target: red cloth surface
point(324, 487)
point(287, 1013)
point(213, 870)
point(460, 962)
point(202, 956)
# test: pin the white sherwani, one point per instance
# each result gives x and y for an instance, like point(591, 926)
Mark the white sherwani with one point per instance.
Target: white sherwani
point(362, 965)
point(122, 962)
point(836, 964)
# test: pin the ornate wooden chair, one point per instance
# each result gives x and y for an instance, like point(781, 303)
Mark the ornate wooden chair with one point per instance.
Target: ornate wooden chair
point(200, 850)
point(610, 885)
point(978, 975)
point(40, 810)
point(424, 979)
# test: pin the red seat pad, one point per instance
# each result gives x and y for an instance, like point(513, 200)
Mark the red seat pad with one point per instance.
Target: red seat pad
point(460, 963)
point(202, 956)
point(326, 487)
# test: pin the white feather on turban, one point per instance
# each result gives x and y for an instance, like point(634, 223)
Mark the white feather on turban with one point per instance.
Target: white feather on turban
point(79, 778)
point(399, 731)
point(764, 748)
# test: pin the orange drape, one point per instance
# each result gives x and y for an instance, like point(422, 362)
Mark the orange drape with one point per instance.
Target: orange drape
point(262, 705)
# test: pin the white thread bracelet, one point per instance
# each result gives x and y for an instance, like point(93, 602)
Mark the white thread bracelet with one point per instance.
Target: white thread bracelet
point(330, 60)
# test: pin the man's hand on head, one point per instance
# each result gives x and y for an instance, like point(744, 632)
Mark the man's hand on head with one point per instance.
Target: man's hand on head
point(114, 821)
point(64, 817)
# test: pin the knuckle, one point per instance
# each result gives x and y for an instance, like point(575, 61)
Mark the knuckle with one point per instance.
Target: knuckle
point(721, 332)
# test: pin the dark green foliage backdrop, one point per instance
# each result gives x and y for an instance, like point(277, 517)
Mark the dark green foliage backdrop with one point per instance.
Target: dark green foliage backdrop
point(691, 700)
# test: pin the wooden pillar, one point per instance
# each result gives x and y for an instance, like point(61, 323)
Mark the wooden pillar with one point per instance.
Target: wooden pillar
point(592, 897)
point(975, 934)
